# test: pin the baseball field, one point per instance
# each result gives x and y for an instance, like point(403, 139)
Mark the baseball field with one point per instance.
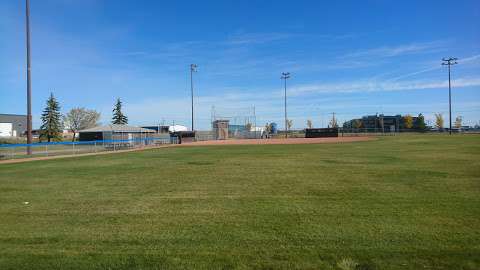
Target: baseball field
point(399, 202)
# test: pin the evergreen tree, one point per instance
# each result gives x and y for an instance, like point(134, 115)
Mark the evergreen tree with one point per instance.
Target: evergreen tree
point(118, 117)
point(420, 123)
point(51, 120)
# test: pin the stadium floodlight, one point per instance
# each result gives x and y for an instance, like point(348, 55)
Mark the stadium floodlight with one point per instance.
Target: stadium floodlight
point(29, 81)
point(285, 76)
point(193, 68)
point(449, 62)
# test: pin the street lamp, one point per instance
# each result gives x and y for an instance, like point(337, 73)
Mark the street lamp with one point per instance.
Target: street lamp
point(285, 76)
point(193, 68)
point(449, 62)
point(29, 83)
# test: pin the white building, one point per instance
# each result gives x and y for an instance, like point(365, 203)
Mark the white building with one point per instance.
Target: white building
point(12, 125)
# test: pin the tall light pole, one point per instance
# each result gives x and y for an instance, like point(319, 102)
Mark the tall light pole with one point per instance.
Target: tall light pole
point(193, 68)
point(285, 76)
point(449, 62)
point(29, 82)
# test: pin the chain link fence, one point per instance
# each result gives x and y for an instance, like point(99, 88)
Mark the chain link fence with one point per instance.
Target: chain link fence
point(20, 150)
point(46, 149)
point(346, 132)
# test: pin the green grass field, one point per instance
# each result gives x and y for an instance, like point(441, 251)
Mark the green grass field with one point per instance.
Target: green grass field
point(406, 202)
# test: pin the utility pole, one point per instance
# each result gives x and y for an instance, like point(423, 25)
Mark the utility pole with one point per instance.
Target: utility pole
point(193, 68)
point(285, 76)
point(255, 121)
point(29, 82)
point(449, 62)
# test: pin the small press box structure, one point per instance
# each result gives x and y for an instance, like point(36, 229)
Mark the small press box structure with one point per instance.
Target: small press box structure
point(220, 129)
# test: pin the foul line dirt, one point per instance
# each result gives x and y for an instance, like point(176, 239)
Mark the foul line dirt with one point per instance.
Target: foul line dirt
point(207, 143)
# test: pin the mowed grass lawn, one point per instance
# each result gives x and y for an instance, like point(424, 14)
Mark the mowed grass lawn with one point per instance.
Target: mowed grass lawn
point(405, 202)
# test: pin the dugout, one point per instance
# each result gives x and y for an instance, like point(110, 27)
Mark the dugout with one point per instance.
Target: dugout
point(114, 132)
point(321, 132)
point(183, 136)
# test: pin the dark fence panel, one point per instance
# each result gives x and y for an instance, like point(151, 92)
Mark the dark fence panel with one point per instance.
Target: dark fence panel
point(321, 132)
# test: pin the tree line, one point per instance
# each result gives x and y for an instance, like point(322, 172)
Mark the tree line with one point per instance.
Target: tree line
point(407, 122)
point(78, 118)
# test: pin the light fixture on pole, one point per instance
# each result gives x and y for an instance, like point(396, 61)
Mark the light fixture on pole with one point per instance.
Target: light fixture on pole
point(449, 62)
point(285, 76)
point(193, 68)
point(29, 83)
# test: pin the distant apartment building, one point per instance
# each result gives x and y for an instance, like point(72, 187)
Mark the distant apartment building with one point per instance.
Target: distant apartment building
point(379, 122)
point(12, 125)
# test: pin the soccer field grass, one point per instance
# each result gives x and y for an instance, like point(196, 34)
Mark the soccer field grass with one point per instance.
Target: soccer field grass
point(405, 202)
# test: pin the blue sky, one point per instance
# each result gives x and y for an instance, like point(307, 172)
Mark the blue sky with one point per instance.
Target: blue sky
point(348, 57)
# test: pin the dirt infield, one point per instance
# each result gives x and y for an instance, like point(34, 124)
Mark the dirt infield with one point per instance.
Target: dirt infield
point(281, 141)
point(205, 143)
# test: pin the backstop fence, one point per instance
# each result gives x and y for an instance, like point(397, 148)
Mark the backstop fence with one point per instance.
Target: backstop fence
point(232, 123)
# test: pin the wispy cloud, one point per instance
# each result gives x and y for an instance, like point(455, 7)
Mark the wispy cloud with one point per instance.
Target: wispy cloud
point(414, 73)
point(379, 86)
point(379, 56)
point(473, 58)
point(134, 53)
point(256, 38)
point(392, 51)
point(437, 65)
